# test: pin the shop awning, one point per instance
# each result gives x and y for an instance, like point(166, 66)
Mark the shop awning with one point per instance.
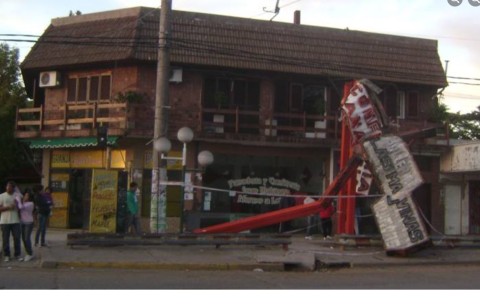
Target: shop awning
point(59, 143)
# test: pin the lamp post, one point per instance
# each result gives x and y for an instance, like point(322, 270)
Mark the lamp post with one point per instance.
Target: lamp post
point(184, 135)
point(205, 158)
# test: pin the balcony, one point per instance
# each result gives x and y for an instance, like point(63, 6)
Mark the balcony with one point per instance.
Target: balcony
point(79, 120)
point(250, 125)
point(82, 120)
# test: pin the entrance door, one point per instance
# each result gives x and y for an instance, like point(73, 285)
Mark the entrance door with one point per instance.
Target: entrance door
point(453, 209)
point(79, 203)
point(422, 196)
point(474, 207)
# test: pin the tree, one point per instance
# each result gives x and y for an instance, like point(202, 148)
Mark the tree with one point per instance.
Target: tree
point(461, 126)
point(12, 95)
point(465, 126)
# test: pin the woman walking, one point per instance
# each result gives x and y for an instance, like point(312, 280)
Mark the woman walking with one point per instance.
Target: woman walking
point(26, 222)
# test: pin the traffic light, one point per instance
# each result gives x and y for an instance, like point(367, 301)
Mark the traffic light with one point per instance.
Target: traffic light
point(102, 136)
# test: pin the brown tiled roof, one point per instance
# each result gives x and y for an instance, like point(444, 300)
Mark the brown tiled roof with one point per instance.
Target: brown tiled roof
point(237, 43)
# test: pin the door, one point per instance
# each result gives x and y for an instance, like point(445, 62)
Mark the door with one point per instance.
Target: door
point(122, 200)
point(422, 196)
point(453, 212)
point(59, 183)
point(79, 194)
point(474, 207)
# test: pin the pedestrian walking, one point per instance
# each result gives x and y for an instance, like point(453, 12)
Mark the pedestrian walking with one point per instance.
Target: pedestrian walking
point(132, 219)
point(26, 207)
point(42, 208)
point(326, 213)
point(10, 222)
point(313, 222)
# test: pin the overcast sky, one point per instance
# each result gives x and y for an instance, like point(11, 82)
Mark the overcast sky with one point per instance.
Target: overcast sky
point(455, 28)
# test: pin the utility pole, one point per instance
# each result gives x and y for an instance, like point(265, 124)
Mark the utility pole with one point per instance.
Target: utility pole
point(158, 204)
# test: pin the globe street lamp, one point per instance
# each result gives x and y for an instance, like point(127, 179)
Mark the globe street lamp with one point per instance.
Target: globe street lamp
point(162, 145)
point(205, 158)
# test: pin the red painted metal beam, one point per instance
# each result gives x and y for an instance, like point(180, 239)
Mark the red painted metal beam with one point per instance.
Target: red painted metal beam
point(346, 206)
point(301, 210)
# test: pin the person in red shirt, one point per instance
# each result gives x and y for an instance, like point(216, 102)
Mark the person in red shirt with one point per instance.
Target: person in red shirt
point(326, 213)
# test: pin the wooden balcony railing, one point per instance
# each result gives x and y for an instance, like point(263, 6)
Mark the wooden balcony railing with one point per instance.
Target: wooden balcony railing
point(71, 117)
point(301, 125)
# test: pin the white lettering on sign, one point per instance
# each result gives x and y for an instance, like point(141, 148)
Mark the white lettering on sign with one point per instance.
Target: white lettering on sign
point(393, 165)
point(396, 213)
point(360, 114)
point(399, 222)
point(262, 191)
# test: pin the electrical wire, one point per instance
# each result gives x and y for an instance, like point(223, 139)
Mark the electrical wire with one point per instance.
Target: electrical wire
point(464, 83)
point(208, 49)
point(223, 48)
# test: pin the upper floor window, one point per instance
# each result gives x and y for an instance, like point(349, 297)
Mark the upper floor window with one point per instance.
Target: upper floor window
point(89, 88)
point(407, 104)
point(225, 92)
point(297, 97)
point(389, 100)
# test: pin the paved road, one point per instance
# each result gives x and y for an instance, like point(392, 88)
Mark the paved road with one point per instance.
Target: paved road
point(402, 277)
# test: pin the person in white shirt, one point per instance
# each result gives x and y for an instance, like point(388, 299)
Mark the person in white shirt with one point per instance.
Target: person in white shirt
point(10, 222)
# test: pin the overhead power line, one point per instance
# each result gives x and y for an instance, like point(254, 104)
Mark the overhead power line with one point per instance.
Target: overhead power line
point(192, 44)
point(464, 83)
point(464, 78)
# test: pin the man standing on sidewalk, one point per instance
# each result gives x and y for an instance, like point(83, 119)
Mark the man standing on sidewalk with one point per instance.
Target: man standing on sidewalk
point(10, 222)
point(132, 209)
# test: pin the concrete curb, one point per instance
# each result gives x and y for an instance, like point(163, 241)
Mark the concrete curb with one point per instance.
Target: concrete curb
point(164, 266)
point(304, 254)
point(266, 266)
point(420, 263)
point(376, 241)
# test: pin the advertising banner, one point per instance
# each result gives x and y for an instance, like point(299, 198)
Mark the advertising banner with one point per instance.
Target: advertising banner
point(103, 209)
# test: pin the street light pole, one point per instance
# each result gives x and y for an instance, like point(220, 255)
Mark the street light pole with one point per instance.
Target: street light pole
point(159, 173)
point(163, 145)
point(184, 135)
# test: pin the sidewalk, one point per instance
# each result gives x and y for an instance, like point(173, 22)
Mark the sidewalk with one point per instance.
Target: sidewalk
point(302, 254)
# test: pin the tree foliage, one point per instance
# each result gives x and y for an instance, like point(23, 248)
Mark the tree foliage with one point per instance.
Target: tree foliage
point(465, 126)
point(461, 126)
point(12, 95)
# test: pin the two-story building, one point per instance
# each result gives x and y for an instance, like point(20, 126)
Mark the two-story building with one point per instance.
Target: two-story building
point(262, 96)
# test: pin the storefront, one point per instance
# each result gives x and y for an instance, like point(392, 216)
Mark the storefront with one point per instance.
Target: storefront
point(238, 185)
point(89, 188)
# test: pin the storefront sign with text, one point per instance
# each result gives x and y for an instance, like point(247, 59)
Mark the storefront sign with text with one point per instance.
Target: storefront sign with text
point(262, 191)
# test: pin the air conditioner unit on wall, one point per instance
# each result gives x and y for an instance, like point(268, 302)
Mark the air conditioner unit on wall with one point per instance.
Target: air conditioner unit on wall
point(49, 79)
point(176, 75)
